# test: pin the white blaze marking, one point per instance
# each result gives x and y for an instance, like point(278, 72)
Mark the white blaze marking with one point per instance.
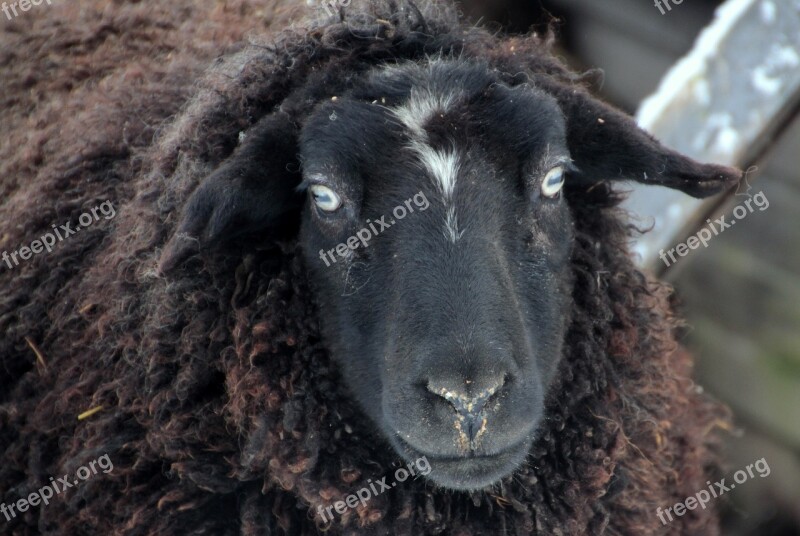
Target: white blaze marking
point(442, 165)
point(420, 107)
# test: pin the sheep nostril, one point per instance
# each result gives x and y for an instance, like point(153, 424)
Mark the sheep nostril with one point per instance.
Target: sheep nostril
point(469, 401)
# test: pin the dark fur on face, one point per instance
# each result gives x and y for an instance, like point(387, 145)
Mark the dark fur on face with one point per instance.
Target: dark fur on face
point(246, 386)
point(468, 298)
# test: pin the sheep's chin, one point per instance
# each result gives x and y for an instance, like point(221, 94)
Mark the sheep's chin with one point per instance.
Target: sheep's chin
point(467, 473)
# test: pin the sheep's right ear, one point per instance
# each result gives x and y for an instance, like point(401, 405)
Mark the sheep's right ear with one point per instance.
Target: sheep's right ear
point(249, 192)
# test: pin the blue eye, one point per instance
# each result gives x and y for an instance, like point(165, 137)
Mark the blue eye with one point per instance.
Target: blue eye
point(326, 199)
point(553, 182)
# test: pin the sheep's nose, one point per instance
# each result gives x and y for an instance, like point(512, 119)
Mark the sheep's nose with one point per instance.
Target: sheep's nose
point(469, 400)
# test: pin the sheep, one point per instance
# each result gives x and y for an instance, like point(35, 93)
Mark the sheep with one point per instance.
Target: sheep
point(498, 339)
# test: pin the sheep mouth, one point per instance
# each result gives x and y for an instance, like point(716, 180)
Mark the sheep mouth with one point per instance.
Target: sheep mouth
point(471, 472)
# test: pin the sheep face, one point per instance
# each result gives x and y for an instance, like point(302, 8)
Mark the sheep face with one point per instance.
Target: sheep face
point(437, 238)
point(438, 241)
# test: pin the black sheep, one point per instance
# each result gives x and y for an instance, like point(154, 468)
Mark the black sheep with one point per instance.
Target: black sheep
point(261, 332)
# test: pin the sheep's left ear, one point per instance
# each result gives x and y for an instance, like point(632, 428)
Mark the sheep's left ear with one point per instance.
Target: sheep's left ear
point(249, 192)
point(605, 144)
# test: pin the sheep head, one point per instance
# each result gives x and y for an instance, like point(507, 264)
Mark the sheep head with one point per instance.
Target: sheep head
point(437, 228)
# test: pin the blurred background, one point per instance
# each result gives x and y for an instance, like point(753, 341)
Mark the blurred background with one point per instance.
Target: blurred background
point(741, 294)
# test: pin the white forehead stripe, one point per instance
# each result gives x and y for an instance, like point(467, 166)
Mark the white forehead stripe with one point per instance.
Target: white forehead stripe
point(451, 225)
point(420, 107)
point(442, 165)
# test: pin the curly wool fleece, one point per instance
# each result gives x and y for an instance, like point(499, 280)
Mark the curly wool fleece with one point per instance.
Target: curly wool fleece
point(219, 406)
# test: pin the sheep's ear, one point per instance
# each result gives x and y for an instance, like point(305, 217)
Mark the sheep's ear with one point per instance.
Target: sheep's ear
point(605, 144)
point(249, 192)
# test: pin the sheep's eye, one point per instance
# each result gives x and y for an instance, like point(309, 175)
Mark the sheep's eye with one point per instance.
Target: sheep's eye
point(326, 199)
point(553, 182)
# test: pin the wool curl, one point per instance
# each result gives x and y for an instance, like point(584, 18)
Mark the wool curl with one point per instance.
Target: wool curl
point(221, 409)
